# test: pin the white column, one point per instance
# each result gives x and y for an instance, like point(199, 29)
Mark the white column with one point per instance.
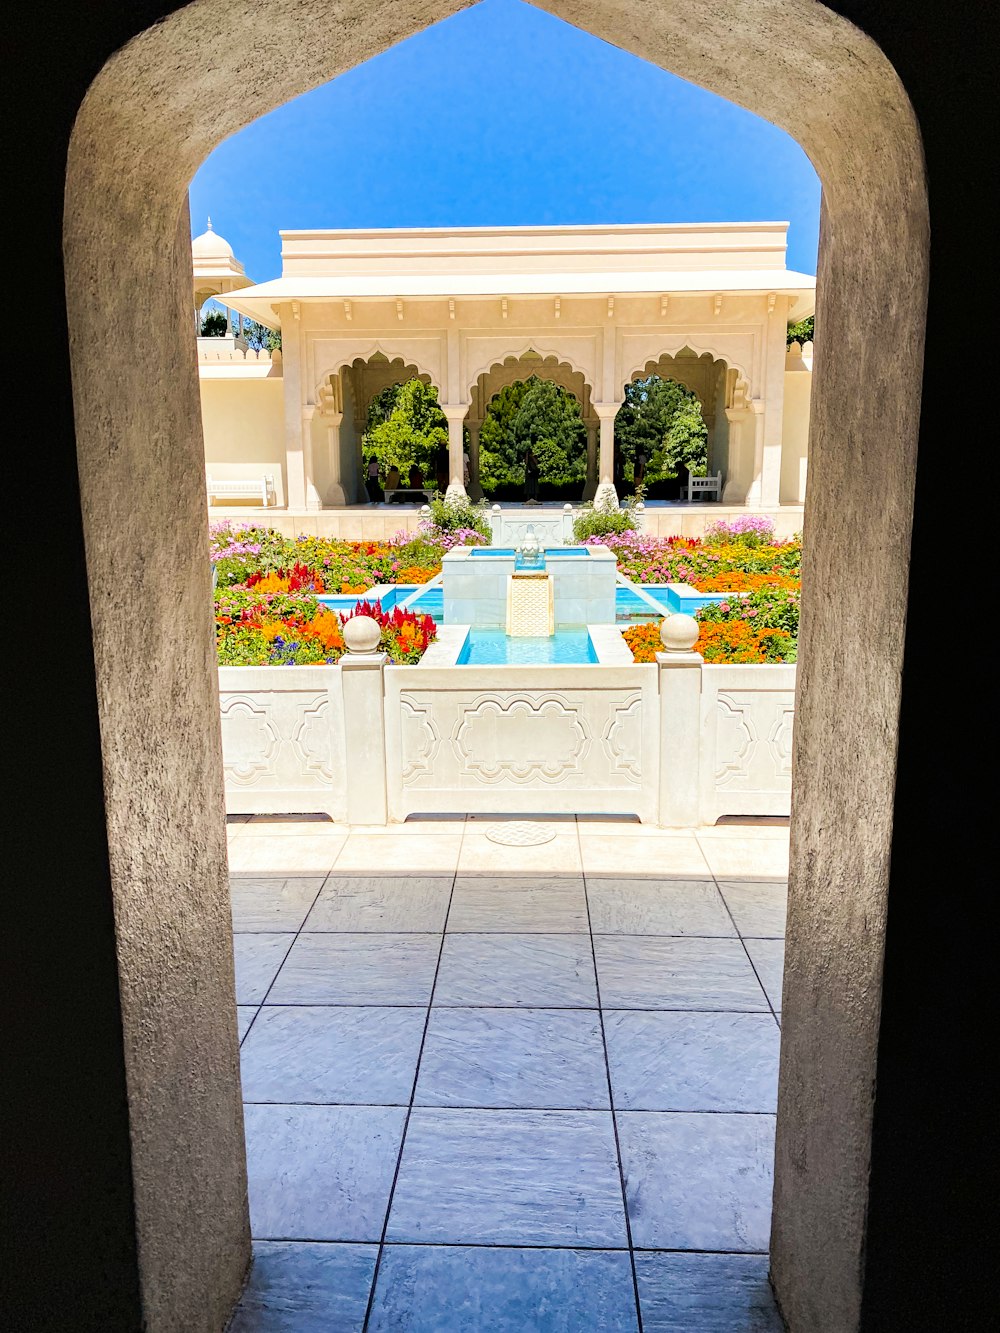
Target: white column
point(590, 485)
point(769, 493)
point(680, 723)
point(313, 499)
point(606, 496)
point(758, 424)
point(455, 412)
point(739, 465)
point(295, 473)
point(335, 494)
point(475, 489)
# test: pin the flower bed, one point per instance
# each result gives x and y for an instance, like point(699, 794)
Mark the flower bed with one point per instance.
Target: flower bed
point(760, 623)
point(267, 611)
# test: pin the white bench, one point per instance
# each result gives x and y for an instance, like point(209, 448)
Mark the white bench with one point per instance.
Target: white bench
point(261, 488)
point(705, 486)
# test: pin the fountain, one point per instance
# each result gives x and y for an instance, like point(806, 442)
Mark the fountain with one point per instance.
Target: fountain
point(530, 592)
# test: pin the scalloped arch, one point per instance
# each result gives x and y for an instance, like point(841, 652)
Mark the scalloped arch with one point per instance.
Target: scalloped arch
point(376, 346)
point(546, 352)
point(679, 345)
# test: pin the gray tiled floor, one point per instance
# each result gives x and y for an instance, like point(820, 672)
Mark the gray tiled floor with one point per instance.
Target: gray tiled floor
point(457, 1121)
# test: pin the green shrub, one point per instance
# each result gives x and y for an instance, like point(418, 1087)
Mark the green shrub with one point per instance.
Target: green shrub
point(601, 523)
point(460, 514)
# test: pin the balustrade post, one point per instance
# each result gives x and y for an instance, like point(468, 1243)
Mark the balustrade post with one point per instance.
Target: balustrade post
point(362, 668)
point(680, 723)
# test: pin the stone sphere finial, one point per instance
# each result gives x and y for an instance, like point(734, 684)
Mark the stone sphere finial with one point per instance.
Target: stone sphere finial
point(494, 509)
point(424, 509)
point(361, 634)
point(679, 633)
point(567, 509)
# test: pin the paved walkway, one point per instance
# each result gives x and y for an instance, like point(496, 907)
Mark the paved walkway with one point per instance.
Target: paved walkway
point(504, 1089)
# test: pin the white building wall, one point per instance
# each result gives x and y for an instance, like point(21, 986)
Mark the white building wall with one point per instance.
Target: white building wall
point(244, 426)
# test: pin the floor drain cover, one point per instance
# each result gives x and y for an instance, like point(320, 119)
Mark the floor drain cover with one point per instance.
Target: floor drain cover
point(519, 833)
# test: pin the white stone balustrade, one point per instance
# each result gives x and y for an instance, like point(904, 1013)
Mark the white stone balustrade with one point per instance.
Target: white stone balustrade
point(678, 743)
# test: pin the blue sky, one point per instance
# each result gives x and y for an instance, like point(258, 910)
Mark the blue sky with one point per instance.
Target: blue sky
point(502, 115)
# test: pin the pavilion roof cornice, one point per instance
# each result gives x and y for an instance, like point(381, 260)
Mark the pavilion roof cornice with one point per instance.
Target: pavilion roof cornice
point(262, 302)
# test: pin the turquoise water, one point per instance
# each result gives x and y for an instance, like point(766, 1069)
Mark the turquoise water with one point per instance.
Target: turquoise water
point(485, 646)
point(629, 609)
point(551, 552)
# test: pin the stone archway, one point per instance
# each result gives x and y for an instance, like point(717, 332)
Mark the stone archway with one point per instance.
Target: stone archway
point(343, 399)
point(515, 368)
point(157, 109)
point(722, 392)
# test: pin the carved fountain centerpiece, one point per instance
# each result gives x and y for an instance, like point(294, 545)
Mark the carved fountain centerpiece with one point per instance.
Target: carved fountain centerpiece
point(530, 591)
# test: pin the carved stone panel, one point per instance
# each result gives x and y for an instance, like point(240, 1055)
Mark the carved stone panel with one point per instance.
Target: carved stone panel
point(250, 740)
point(521, 738)
point(737, 739)
point(622, 738)
point(311, 740)
point(421, 738)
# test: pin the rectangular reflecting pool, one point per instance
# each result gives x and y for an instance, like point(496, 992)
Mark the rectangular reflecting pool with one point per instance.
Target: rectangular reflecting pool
point(629, 608)
point(485, 646)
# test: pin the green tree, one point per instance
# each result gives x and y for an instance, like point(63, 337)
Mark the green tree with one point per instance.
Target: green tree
point(539, 412)
point(665, 420)
point(260, 338)
point(802, 332)
point(549, 419)
point(215, 324)
point(500, 468)
point(406, 426)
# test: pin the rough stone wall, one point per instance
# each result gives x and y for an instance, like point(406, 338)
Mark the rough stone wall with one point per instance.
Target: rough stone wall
point(160, 105)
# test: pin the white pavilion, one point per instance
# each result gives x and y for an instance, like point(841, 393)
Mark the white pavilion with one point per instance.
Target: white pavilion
point(471, 310)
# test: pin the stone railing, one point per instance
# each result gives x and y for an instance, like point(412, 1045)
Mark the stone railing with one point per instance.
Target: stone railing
point(677, 742)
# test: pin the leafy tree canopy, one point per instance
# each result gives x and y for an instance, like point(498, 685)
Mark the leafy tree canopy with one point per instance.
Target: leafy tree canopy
point(665, 420)
point(215, 324)
point(406, 426)
point(802, 332)
point(260, 337)
point(537, 412)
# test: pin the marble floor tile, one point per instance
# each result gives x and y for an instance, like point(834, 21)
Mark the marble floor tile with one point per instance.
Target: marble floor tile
point(480, 854)
point(498, 903)
point(758, 908)
point(358, 969)
point(533, 971)
point(381, 903)
point(751, 829)
point(768, 957)
point(514, 1058)
point(706, 1293)
point(650, 907)
point(698, 1181)
point(643, 972)
point(271, 904)
point(641, 856)
point(300, 1287)
point(738, 858)
point(367, 853)
point(244, 1017)
point(338, 1054)
point(692, 1062)
point(321, 1172)
point(257, 958)
point(509, 1178)
point(285, 857)
point(454, 1289)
